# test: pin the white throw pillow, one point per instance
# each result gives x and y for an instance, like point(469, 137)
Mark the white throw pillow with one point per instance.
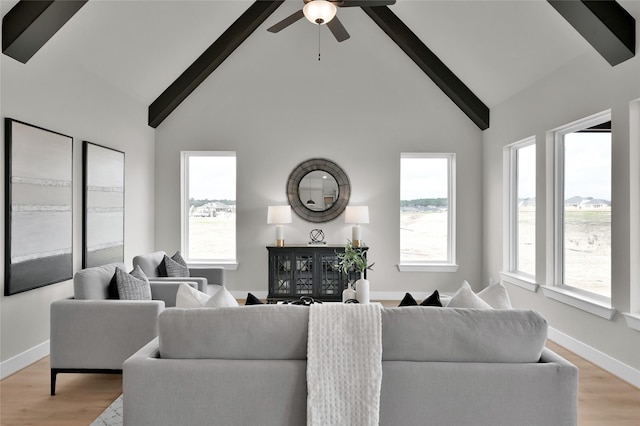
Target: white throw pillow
point(221, 299)
point(496, 295)
point(466, 298)
point(189, 297)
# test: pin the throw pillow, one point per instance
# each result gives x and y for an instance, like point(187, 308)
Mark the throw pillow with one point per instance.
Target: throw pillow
point(433, 300)
point(408, 300)
point(252, 300)
point(174, 266)
point(133, 286)
point(466, 298)
point(497, 296)
point(189, 297)
point(112, 289)
point(220, 299)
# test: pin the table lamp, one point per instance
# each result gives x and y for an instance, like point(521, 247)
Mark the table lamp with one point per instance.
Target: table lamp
point(356, 215)
point(278, 215)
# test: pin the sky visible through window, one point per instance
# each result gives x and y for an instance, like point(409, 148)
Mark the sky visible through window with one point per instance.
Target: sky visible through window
point(209, 177)
point(587, 165)
point(423, 178)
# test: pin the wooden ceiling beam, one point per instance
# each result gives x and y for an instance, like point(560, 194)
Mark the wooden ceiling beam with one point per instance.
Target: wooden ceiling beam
point(215, 55)
point(30, 24)
point(428, 62)
point(606, 25)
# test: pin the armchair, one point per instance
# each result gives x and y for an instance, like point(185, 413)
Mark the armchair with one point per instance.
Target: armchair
point(150, 263)
point(94, 334)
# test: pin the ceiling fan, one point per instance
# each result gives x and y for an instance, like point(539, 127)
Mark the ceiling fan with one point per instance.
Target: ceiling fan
point(324, 12)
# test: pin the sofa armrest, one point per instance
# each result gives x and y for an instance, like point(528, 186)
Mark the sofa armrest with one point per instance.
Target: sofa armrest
point(214, 275)
point(100, 334)
point(200, 281)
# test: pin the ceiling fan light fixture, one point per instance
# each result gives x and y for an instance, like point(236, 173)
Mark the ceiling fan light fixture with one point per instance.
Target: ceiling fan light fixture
point(319, 11)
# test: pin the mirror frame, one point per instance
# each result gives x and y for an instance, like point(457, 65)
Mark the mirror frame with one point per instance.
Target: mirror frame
point(293, 183)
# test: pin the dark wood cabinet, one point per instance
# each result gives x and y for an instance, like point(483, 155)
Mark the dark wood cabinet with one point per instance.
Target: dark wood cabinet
point(314, 271)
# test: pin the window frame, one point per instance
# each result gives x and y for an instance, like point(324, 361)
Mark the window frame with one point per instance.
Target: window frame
point(448, 265)
point(510, 272)
point(555, 289)
point(230, 264)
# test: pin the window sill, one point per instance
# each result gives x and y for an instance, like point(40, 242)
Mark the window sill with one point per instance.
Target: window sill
point(229, 266)
point(427, 267)
point(520, 281)
point(633, 320)
point(587, 304)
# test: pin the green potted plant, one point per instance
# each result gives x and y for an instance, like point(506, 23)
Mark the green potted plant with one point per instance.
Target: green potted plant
point(355, 259)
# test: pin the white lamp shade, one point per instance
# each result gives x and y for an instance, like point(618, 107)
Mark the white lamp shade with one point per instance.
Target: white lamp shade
point(356, 214)
point(319, 11)
point(277, 215)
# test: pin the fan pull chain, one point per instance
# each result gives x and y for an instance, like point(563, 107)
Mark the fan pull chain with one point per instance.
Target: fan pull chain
point(319, 42)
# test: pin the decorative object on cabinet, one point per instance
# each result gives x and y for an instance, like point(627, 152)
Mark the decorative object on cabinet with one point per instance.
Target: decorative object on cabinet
point(317, 237)
point(103, 206)
point(324, 183)
point(355, 259)
point(356, 215)
point(314, 271)
point(279, 215)
point(38, 207)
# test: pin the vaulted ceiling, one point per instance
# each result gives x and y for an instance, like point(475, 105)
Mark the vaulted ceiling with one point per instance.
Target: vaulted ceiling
point(496, 48)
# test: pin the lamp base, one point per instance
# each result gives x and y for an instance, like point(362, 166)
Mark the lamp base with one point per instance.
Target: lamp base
point(356, 243)
point(279, 243)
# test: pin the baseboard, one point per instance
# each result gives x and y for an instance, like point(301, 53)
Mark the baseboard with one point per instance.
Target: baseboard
point(25, 359)
point(602, 360)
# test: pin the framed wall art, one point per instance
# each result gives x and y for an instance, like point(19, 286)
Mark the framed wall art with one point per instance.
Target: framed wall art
point(103, 205)
point(39, 207)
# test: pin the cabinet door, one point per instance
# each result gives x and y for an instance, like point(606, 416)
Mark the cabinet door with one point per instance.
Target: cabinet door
point(303, 274)
point(281, 280)
point(331, 278)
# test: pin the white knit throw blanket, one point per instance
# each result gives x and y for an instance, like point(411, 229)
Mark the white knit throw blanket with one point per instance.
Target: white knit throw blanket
point(344, 364)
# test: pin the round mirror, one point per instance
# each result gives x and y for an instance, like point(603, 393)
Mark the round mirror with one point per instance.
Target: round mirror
point(318, 190)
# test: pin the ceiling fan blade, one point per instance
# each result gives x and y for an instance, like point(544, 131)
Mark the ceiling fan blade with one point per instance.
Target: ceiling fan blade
point(364, 3)
point(337, 29)
point(286, 22)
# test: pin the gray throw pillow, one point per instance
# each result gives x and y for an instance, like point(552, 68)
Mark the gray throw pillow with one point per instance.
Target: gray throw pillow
point(133, 286)
point(175, 266)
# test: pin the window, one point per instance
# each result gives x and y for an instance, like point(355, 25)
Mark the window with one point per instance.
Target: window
point(583, 206)
point(521, 215)
point(427, 211)
point(209, 207)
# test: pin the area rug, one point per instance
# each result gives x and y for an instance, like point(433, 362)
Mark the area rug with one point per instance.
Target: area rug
point(112, 416)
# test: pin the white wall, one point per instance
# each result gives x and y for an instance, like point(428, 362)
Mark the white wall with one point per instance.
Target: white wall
point(60, 96)
point(276, 117)
point(585, 86)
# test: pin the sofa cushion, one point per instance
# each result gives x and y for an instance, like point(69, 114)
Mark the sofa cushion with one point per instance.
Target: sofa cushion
point(189, 297)
point(245, 332)
point(466, 298)
point(133, 286)
point(174, 266)
point(221, 299)
point(462, 335)
point(496, 296)
point(432, 300)
point(93, 283)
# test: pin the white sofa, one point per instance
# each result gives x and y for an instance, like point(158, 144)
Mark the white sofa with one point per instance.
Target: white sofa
point(441, 366)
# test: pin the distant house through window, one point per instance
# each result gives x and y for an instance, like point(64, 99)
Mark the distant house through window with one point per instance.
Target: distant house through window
point(209, 207)
point(583, 206)
point(427, 210)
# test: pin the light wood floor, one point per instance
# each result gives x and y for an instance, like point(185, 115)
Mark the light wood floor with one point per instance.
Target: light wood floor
point(604, 400)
